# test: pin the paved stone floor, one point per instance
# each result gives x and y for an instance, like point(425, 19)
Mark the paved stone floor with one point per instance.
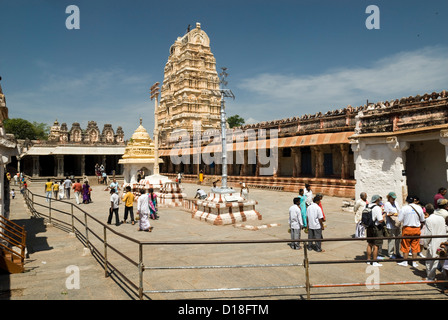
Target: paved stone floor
point(52, 252)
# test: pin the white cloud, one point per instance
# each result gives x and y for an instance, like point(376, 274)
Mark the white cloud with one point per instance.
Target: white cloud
point(400, 75)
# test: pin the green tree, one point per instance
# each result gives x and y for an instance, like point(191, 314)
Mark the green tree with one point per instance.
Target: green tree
point(23, 129)
point(235, 121)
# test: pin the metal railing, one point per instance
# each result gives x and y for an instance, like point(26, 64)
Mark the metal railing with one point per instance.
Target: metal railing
point(86, 232)
point(12, 235)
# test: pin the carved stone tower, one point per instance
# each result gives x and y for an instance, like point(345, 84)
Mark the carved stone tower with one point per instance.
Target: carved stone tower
point(187, 91)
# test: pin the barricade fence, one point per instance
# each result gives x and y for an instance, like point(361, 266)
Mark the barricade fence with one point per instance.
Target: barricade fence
point(102, 240)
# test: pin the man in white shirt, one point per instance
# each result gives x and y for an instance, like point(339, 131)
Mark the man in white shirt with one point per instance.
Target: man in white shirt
point(308, 194)
point(315, 224)
point(392, 208)
point(411, 216)
point(200, 194)
point(434, 226)
point(373, 231)
point(295, 223)
point(114, 205)
point(67, 187)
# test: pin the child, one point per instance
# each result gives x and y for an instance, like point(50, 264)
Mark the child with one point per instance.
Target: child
point(13, 194)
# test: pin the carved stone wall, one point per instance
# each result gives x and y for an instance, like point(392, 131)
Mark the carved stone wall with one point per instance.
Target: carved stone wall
point(187, 90)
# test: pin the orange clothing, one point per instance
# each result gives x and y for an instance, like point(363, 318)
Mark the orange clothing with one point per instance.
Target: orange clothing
point(407, 244)
point(77, 187)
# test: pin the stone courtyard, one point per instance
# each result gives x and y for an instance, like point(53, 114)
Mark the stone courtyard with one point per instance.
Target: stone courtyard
point(51, 250)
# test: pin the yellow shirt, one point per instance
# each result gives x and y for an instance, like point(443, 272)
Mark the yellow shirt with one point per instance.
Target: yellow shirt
point(128, 199)
point(48, 186)
point(56, 187)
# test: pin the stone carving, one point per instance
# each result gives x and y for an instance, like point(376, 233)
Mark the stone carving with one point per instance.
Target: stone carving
point(186, 92)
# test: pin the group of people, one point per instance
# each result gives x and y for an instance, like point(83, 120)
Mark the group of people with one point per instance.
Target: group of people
point(307, 214)
point(100, 173)
point(60, 189)
point(378, 218)
point(146, 207)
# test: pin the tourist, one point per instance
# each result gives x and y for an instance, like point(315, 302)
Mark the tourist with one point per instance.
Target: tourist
point(97, 172)
point(201, 177)
point(315, 224)
point(392, 208)
point(200, 194)
point(295, 223)
point(77, 188)
point(360, 204)
point(153, 204)
point(104, 177)
point(56, 187)
point(24, 187)
point(439, 195)
point(128, 199)
point(244, 193)
point(373, 230)
point(321, 196)
point(86, 193)
point(442, 208)
point(114, 185)
point(411, 217)
point(67, 186)
point(434, 226)
point(303, 207)
point(16, 179)
point(61, 193)
point(48, 189)
point(13, 193)
point(143, 211)
point(179, 177)
point(308, 194)
point(114, 205)
point(442, 251)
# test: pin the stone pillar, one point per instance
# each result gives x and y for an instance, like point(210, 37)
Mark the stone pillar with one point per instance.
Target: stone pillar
point(83, 165)
point(59, 165)
point(35, 166)
point(345, 161)
point(318, 161)
point(103, 161)
point(297, 161)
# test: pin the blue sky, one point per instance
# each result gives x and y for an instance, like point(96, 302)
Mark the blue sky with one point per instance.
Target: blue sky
point(284, 58)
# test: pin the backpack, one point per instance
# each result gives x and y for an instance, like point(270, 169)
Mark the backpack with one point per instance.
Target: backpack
point(366, 218)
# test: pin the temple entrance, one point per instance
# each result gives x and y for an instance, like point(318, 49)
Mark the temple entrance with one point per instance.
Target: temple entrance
point(47, 166)
point(426, 169)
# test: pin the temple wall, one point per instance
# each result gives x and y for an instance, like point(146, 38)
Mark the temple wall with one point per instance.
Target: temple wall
point(379, 169)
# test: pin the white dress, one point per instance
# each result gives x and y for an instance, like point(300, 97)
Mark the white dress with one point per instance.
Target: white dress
point(61, 192)
point(144, 212)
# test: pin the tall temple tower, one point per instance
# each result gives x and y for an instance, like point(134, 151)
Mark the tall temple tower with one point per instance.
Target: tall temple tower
point(187, 97)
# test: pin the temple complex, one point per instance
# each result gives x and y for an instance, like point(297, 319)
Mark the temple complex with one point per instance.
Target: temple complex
point(72, 152)
point(187, 91)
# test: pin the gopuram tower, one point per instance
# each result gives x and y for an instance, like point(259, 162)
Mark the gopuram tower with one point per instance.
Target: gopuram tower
point(186, 95)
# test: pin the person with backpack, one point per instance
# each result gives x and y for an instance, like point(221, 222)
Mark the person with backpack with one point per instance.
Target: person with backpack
point(372, 218)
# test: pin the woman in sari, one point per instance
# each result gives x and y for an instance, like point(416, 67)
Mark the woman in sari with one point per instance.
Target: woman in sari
point(153, 204)
point(85, 193)
point(143, 205)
